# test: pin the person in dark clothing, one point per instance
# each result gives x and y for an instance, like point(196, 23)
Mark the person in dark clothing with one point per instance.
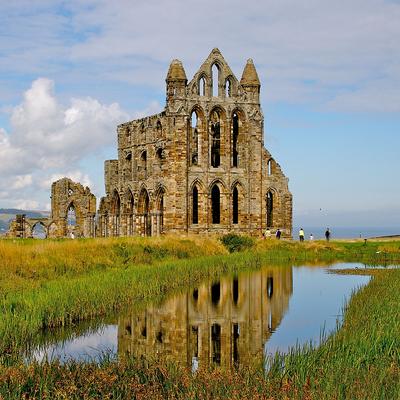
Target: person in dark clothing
point(278, 234)
point(327, 234)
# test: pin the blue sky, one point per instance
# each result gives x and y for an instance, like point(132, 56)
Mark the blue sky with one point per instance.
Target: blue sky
point(70, 71)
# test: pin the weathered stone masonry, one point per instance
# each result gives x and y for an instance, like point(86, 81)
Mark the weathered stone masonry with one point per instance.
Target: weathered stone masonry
point(200, 166)
point(73, 213)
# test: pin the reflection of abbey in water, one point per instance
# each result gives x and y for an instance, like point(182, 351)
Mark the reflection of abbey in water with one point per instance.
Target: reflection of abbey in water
point(226, 323)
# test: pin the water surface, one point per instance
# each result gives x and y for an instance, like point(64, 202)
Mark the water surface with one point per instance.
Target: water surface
point(236, 320)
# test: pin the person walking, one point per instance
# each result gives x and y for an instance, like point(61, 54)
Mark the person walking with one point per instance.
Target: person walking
point(327, 234)
point(311, 237)
point(267, 233)
point(278, 234)
point(301, 235)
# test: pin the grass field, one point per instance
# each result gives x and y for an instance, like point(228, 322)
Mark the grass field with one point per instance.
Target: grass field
point(49, 283)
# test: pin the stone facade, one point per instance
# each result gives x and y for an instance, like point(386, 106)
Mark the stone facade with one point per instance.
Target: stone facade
point(73, 212)
point(200, 166)
point(222, 323)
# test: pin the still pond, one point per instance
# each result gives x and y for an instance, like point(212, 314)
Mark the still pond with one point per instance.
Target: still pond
point(234, 321)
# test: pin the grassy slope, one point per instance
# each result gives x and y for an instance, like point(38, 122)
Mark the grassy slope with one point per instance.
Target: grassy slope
point(364, 353)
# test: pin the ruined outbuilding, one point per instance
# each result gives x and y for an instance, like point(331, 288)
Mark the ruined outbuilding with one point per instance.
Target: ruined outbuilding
point(200, 166)
point(73, 212)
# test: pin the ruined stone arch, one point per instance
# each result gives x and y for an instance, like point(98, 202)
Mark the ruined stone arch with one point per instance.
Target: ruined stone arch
point(217, 203)
point(144, 212)
point(217, 119)
point(159, 209)
point(216, 68)
point(271, 166)
point(69, 211)
point(159, 192)
point(238, 197)
point(196, 134)
point(197, 202)
point(203, 82)
point(37, 224)
point(230, 89)
point(237, 137)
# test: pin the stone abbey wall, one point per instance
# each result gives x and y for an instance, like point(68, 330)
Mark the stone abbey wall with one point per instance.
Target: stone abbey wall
point(200, 166)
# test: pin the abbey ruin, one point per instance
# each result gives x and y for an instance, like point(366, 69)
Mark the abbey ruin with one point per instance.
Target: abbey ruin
point(198, 167)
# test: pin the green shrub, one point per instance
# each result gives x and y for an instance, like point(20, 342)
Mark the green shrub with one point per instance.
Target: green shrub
point(235, 242)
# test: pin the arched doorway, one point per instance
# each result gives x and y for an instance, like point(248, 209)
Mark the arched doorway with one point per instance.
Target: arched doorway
point(71, 221)
point(144, 213)
point(39, 231)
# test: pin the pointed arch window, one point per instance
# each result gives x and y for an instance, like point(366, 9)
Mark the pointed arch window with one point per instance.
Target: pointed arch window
point(215, 80)
point(235, 205)
point(202, 86)
point(215, 140)
point(195, 206)
point(235, 136)
point(269, 167)
point(71, 215)
point(143, 161)
point(215, 204)
point(228, 88)
point(194, 139)
point(270, 209)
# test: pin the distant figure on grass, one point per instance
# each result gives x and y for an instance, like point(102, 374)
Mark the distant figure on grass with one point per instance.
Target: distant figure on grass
point(327, 234)
point(278, 234)
point(301, 235)
point(267, 233)
point(311, 237)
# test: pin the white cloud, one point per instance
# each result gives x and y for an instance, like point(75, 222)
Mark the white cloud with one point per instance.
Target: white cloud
point(24, 204)
point(21, 181)
point(153, 108)
point(48, 141)
point(46, 134)
point(342, 46)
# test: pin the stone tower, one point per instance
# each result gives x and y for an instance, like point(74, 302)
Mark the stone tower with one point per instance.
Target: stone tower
point(200, 166)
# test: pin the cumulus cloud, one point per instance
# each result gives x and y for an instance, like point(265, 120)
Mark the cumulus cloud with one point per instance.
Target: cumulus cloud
point(48, 140)
point(22, 181)
point(24, 204)
point(153, 108)
point(342, 47)
point(46, 134)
